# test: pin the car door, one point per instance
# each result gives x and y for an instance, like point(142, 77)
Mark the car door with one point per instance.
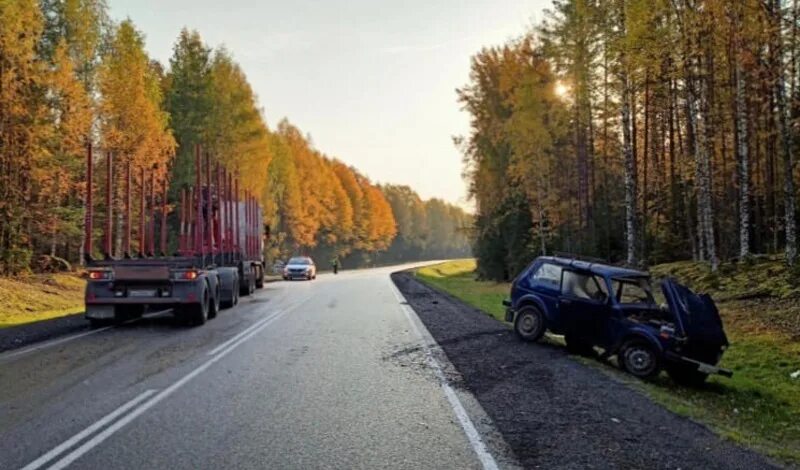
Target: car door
point(584, 306)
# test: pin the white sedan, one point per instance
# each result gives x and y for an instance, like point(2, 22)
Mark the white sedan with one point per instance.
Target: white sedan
point(300, 267)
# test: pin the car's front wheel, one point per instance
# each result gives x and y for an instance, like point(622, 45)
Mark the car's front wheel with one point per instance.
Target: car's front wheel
point(639, 358)
point(530, 323)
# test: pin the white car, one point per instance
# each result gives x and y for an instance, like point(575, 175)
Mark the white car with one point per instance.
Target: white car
point(300, 267)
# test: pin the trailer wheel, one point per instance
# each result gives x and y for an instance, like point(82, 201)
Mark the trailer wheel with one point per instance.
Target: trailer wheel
point(234, 295)
point(249, 286)
point(197, 314)
point(639, 358)
point(214, 306)
point(260, 278)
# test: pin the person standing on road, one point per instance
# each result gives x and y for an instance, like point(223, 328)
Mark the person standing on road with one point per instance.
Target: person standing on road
point(335, 264)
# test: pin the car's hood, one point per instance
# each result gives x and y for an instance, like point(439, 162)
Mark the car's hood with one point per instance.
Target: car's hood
point(695, 314)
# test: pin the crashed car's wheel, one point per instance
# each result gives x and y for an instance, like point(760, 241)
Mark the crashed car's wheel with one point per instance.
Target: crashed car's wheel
point(578, 346)
point(639, 358)
point(530, 323)
point(686, 375)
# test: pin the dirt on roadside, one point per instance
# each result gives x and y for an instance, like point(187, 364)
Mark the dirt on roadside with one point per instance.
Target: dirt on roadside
point(557, 413)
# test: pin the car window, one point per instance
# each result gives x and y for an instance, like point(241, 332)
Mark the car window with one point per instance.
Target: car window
point(633, 291)
point(548, 275)
point(583, 286)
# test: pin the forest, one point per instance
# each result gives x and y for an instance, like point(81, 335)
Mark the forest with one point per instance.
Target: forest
point(70, 77)
point(638, 131)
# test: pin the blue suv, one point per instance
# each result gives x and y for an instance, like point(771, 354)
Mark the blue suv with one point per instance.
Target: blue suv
point(614, 308)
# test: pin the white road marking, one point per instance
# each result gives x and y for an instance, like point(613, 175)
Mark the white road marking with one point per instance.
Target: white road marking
point(242, 333)
point(56, 342)
point(56, 451)
point(116, 426)
point(474, 437)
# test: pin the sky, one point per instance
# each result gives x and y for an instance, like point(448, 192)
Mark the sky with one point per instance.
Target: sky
point(372, 82)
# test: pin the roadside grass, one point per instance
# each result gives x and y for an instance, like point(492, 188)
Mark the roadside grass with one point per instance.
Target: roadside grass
point(457, 277)
point(31, 298)
point(760, 405)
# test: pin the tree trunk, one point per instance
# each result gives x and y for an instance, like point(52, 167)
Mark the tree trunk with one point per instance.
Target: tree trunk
point(786, 141)
point(742, 163)
point(630, 172)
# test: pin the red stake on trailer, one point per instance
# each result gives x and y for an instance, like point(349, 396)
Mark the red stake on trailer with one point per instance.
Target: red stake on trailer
point(182, 226)
point(218, 212)
point(198, 225)
point(236, 211)
point(190, 221)
point(247, 223)
point(164, 220)
point(209, 208)
point(142, 233)
point(127, 244)
point(89, 220)
point(152, 247)
point(109, 210)
point(229, 191)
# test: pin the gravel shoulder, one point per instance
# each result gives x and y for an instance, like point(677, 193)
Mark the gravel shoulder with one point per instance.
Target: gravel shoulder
point(557, 413)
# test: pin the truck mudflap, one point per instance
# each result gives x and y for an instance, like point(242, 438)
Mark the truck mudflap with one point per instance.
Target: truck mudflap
point(701, 366)
point(99, 312)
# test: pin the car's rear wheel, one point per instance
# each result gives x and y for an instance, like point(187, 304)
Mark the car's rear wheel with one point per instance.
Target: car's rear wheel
point(686, 375)
point(530, 323)
point(578, 346)
point(639, 358)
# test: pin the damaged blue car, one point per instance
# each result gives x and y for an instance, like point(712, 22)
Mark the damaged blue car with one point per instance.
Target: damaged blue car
point(615, 309)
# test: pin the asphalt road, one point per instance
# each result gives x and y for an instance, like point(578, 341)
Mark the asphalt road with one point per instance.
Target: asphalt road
point(321, 374)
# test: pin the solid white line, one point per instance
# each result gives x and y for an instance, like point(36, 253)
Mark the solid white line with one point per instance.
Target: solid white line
point(109, 431)
point(240, 334)
point(56, 342)
point(88, 431)
point(464, 420)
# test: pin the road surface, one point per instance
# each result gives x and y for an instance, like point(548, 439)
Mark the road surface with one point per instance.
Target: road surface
point(321, 374)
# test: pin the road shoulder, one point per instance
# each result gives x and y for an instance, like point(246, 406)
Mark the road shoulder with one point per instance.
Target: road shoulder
point(555, 412)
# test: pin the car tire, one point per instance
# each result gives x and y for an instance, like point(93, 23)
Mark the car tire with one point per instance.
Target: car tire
point(639, 358)
point(578, 346)
point(686, 375)
point(530, 323)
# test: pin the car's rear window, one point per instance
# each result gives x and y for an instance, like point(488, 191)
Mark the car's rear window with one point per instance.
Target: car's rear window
point(548, 275)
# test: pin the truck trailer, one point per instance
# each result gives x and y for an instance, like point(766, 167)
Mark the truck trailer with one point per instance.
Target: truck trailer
point(219, 256)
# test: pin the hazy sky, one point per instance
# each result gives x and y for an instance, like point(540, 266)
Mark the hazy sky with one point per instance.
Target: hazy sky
point(373, 82)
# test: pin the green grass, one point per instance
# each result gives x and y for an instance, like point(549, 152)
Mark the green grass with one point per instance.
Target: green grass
point(458, 278)
point(31, 298)
point(758, 407)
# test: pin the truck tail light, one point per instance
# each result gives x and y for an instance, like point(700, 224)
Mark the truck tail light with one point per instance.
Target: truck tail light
point(98, 275)
point(190, 275)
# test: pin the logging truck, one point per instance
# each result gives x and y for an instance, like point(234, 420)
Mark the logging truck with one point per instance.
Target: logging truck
point(219, 254)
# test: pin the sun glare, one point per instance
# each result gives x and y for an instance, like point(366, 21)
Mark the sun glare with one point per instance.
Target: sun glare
point(561, 90)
